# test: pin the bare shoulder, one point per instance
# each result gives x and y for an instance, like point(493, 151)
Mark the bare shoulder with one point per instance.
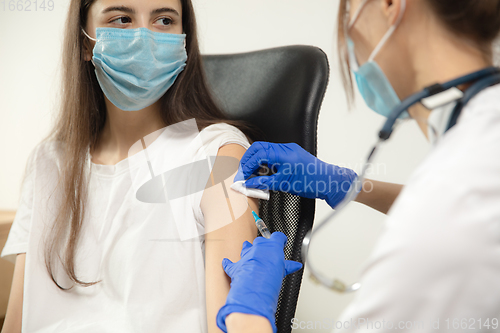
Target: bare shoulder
point(233, 150)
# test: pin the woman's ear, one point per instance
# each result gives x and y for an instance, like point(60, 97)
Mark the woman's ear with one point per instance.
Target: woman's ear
point(87, 49)
point(391, 10)
point(87, 56)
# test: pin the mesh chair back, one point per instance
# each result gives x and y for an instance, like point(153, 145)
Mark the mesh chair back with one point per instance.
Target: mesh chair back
point(279, 91)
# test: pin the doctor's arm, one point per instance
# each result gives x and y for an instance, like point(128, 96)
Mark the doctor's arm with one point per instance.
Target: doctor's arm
point(298, 172)
point(228, 223)
point(378, 195)
point(13, 317)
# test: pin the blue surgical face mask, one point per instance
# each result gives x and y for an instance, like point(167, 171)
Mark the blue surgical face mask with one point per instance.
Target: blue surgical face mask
point(136, 67)
point(372, 83)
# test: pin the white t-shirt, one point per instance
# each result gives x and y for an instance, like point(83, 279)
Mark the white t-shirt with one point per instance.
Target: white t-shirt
point(153, 277)
point(436, 265)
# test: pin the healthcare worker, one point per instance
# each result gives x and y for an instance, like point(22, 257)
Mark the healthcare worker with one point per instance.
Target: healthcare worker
point(436, 266)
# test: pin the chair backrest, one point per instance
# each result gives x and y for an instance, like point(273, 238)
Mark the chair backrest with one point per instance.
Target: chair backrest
point(279, 91)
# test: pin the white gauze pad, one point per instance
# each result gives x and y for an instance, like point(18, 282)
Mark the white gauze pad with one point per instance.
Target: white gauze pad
point(250, 192)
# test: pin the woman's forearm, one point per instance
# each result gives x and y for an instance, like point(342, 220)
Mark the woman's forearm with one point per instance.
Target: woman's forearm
point(379, 195)
point(13, 318)
point(245, 323)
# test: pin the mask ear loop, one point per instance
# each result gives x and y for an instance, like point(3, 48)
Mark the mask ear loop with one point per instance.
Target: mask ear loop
point(389, 32)
point(353, 61)
point(356, 14)
point(92, 39)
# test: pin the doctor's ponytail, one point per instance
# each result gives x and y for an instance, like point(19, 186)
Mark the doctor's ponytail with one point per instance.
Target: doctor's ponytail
point(478, 20)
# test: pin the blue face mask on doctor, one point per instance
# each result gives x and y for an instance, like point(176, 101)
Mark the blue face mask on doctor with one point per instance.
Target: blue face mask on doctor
point(372, 83)
point(136, 67)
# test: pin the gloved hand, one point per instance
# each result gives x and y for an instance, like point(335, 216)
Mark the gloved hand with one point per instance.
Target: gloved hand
point(256, 279)
point(297, 172)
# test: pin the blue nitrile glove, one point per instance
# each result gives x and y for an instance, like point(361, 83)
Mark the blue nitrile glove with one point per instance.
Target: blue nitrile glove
point(256, 279)
point(297, 172)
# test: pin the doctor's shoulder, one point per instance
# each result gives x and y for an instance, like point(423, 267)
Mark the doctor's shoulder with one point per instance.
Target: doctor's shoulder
point(466, 158)
point(480, 120)
point(486, 102)
point(470, 150)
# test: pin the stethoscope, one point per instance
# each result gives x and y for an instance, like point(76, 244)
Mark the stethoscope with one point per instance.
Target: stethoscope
point(431, 97)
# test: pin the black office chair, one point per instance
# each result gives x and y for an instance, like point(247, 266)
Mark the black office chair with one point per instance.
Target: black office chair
point(279, 91)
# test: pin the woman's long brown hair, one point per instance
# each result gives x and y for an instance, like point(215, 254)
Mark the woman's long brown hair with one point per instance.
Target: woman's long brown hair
point(82, 117)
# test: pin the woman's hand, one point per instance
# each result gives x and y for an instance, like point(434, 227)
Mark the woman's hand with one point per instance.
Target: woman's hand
point(256, 279)
point(296, 171)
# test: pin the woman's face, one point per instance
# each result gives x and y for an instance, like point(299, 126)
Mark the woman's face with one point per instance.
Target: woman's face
point(155, 15)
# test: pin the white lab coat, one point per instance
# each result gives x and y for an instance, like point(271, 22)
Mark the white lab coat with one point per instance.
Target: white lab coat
point(436, 266)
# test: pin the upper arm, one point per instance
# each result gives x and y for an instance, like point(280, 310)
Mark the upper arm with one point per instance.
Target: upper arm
point(229, 222)
point(13, 318)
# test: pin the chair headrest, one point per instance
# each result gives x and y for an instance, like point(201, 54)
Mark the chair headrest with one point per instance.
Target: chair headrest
point(278, 90)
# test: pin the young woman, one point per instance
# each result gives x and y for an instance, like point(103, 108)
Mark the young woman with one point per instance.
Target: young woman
point(91, 254)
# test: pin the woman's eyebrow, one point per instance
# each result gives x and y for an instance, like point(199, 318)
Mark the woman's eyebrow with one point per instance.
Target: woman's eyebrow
point(132, 11)
point(165, 9)
point(119, 9)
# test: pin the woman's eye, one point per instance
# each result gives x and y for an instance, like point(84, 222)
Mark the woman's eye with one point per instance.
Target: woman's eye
point(122, 20)
point(164, 21)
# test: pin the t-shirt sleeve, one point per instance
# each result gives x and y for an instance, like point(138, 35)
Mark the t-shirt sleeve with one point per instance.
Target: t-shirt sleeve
point(17, 241)
point(221, 134)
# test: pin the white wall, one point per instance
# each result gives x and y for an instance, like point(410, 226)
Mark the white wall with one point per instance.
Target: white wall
point(29, 63)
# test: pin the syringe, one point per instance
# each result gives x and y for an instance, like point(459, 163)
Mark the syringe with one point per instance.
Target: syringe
point(264, 231)
point(261, 226)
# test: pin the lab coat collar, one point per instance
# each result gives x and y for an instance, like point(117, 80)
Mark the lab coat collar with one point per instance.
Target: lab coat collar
point(438, 121)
